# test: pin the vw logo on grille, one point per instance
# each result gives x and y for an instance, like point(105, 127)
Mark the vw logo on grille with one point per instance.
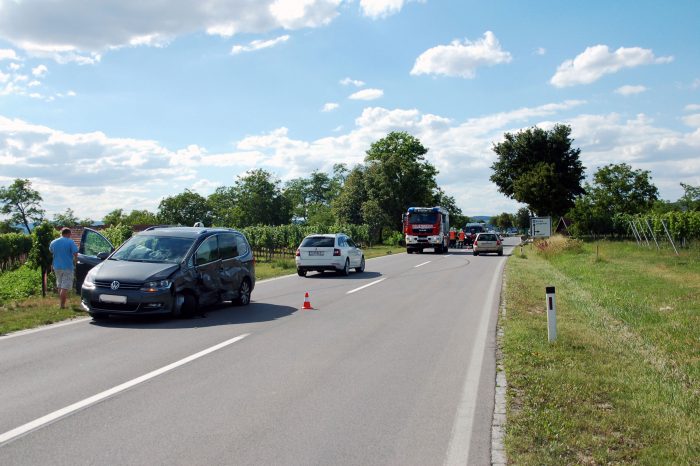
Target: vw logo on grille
point(114, 285)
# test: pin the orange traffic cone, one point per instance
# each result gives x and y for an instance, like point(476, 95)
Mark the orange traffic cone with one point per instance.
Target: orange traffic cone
point(307, 303)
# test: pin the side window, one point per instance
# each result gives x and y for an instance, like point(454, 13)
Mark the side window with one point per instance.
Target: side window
point(242, 245)
point(207, 251)
point(94, 244)
point(341, 242)
point(351, 243)
point(228, 246)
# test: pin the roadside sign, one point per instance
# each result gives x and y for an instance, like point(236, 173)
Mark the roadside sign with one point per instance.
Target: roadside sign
point(540, 227)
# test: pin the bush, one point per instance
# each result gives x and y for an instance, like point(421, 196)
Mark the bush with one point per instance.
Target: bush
point(117, 234)
point(557, 244)
point(14, 248)
point(23, 283)
point(394, 239)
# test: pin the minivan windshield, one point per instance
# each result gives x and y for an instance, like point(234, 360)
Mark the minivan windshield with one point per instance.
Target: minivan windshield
point(149, 248)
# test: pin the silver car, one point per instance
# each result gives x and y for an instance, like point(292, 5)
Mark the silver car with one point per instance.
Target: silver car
point(488, 242)
point(336, 252)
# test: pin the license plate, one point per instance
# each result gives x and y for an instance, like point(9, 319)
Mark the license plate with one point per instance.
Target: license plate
point(315, 253)
point(110, 298)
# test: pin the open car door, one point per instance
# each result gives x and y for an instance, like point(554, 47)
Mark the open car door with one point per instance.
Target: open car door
point(94, 248)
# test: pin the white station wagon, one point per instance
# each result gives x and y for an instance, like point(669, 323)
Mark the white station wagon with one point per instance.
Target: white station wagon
point(337, 252)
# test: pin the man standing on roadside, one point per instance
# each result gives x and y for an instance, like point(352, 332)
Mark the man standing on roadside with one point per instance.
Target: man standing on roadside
point(64, 253)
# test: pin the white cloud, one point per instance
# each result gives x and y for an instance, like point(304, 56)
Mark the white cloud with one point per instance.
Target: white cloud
point(259, 44)
point(14, 66)
point(597, 61)
point(380, 8)
point(630, 90)
point(86, 31)
point(354, 82)
point(692, 107)
point(461, 59)
point(40, 71)
point(540, 51)
point(130, 174)
point(692, 120)
point(330, 106)
point(367, 94)
point(8, 54)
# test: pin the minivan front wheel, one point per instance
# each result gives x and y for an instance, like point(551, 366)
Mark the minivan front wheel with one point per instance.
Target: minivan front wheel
point(185, 305)
point(243, 298)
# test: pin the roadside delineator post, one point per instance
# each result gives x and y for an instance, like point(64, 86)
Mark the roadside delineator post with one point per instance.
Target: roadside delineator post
point(307, 303)
point(551, 314)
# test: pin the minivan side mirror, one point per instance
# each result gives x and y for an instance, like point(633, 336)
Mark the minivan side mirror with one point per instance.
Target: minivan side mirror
point(102, 256)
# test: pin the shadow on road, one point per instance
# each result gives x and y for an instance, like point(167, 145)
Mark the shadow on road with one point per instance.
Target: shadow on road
point(353, 275)
point(222, 314)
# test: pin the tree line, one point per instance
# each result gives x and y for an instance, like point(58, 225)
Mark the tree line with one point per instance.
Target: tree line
point(541, 169)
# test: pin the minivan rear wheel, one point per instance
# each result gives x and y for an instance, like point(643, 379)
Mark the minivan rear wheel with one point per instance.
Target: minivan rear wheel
point(345, 270)
point(243, 298)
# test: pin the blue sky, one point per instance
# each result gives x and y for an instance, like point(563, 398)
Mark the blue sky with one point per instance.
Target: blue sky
point(116, 104)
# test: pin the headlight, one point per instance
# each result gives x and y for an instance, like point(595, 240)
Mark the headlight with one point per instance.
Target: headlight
point(157, 285)
point(89, 282)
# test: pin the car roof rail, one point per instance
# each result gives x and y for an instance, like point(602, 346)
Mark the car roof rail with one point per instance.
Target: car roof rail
point(160, 226)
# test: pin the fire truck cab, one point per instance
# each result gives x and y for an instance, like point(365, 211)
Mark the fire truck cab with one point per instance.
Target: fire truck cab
point(426, 227)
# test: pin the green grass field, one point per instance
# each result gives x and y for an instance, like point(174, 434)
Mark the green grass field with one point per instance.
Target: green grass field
point(621, 384)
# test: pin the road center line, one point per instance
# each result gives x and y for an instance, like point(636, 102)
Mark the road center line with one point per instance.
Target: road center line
point(420, 265)
point(44, 420)
point(365, 286)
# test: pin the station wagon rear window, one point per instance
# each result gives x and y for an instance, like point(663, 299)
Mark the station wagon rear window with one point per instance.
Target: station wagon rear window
point(318, 242)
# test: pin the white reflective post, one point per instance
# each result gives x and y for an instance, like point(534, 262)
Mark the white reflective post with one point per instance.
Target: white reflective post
point(551, 314)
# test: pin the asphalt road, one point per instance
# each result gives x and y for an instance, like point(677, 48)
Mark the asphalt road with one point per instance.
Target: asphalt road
point(393, 366)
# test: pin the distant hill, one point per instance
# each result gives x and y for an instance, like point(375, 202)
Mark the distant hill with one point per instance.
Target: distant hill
point(480, 218)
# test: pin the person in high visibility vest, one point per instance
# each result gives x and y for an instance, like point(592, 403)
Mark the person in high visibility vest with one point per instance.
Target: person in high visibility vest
point(452, 237)
point(460, 243)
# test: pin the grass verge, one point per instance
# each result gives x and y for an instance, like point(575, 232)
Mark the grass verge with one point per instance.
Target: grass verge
point(24, 313)
point(622, 382)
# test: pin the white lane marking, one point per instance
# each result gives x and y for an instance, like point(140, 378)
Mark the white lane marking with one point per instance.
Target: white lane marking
point(42, 328)
point(42, 421)
point(365, 286)
point(420, 265)
point(458, 451)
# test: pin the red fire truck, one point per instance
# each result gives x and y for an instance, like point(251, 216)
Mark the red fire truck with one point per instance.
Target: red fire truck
point(426, 227)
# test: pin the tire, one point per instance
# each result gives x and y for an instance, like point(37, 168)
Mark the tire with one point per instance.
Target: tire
point(345, 271)
point(99, 317)
point(409, 251)
point(500, 253)
point(301, 273)
point(185, 306)
point(476, 253)
point(361, 268)
point(244, 292)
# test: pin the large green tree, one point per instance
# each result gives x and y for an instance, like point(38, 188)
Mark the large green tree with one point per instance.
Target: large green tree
point(691, 198)
point(21, 202)
point(539, 168)
point(185, 208)
point(617, 189)
point(257, 199)
point(398, 176)
point(348, 205)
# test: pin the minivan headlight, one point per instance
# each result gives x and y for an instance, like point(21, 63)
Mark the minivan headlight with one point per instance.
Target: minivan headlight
point(89, 281)
point(156, 285)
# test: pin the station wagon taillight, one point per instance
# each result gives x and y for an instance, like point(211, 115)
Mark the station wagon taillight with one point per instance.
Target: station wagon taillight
point(298, 253)
point(336, 252)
